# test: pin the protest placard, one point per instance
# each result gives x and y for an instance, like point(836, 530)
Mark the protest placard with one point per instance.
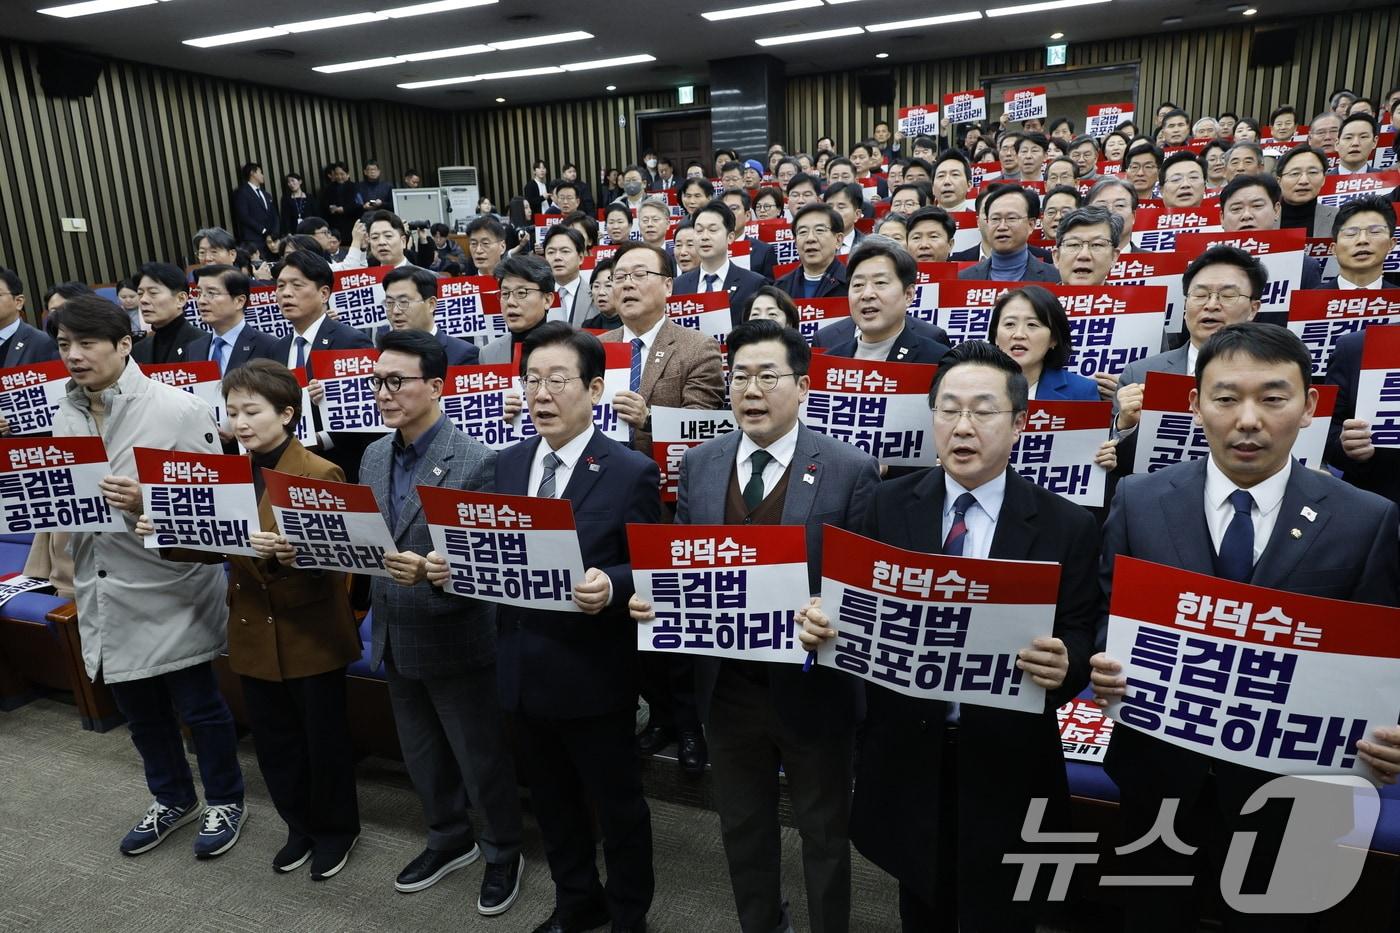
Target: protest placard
point(1026, 103)
point(965, 106)
point(332, 526)
point(203, 502)
point(51, 484)
point(349, 405)
point(880, 407)
point(1105, 118)
point(1056, 449)
point(29, 396)
point(1378, 386)
point(676, 430)
point(1320, 316)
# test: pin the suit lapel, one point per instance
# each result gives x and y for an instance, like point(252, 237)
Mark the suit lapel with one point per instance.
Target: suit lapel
point(924, 525)
point(1015, 527)
point(1284, 550)
point(708, 491)
point(903, 346)
point(804, 479)
point(1184, 515)
point(514, 467)
point(582, 478)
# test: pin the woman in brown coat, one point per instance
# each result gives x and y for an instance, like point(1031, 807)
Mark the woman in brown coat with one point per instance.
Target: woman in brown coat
point(291, 634)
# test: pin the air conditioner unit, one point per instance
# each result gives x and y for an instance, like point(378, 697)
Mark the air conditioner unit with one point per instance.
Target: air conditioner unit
point(461, 192)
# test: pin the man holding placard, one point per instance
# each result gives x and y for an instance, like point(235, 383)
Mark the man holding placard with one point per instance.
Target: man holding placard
point(935, 804)
point(1249, 514)
point(150, 628)
point(776, 471)
point(438, 649)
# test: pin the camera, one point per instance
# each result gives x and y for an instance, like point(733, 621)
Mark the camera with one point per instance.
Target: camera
point(419, 224)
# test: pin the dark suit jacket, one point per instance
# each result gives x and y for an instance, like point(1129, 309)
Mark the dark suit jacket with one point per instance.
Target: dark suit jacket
point(684, 370)
point(1349, 552)
point(567, 665)
point(909, 347)
point(254, 220)
point(762, 258)
point(1387, 281)
point(833, 282)
point(1036, 271)
point(844, 479)
point(253, 344)
point(190, 344)
point(531, 193)
point(974, 254)
point(844, 331)
point(741, 284)
point(1063, 385)
point(333, 335)
point(1380, 474)
point(894, 817)
point(430, 632)
point(29, 345)
point(459, 352)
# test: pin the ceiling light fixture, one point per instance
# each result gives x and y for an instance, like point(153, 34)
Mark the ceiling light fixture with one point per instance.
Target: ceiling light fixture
point(358, 66)
point(512, 44)
point(456, 52)
point(522, 73)
point(1250, 12)
point(89, 7)
point(925, 21)
point(531, 72)
point(1057, 35)
point(438, 82)
point(609, 62)
point(610, 87)
point(882, 54)
point(500, 100)
point(810, 36)
point(1040, 7)
point(716, 16)
point(334, 22)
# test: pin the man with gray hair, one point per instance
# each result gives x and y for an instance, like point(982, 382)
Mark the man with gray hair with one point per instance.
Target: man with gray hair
point(1243, 158)
point(1086, 245)
point(1084, 153)
point(215, 246)
point(1116, 196)
point(1324, 130)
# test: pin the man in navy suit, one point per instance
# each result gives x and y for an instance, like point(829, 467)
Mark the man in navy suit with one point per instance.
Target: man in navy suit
point(20, 342)
point(714, 231)
point(817, 230)
point(757, 715)
point(1349, 446)
point(255, 214)
point(762, 256)
point(935, 804)
point(1249, 513)
point(410, 298)
point(1255, 202)
point(881, 282)
point(1364, 233)
point(570, 679)
point(223, 299)
point(1005, 217)
point(303, 288)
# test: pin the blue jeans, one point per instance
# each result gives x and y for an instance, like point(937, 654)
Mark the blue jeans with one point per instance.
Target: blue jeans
point(154, 707)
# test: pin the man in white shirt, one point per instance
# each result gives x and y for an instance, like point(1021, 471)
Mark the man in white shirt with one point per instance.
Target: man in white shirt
point(564, 249)
point(1364, 233)
point(1355, 143)
point(388, 243)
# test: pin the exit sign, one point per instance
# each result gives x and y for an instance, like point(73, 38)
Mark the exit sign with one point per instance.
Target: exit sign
point(1055, 54)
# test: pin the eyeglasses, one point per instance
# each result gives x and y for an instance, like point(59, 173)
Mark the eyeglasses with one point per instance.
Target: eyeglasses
point(204, 293)
point(1010, 220)
point(1294, 174)
point(1351, 233)
point(1183, 178)
point(400, 304)
point(520, 294)
point(640, 275)
point(392, 383)
point(803, 233)
point(1226, 296)
point(978, 416)
point(555, 383)
point(766, 381)
point(1097, 247)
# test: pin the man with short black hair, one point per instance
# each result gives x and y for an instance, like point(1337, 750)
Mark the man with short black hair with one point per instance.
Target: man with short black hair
point(865, 158)
point(410, 300)
point(1007, 147)
point(222, 303)
point(1084, 153)
point(952, 180)
point(1030, 157)
point(564, 250)
point(714, 231)
point(1183, 180)
point(1005, 217)
point(565, 197)
point(1255, 202)
point(388, 241)
point(373, 192)
point(1356, 140)
point(1283, 124)
point(254, 211)
point(486, 240)
point(527, 290)
point(20, 342)
point(881, 280)
point(1176, 128)
point(848, 200)
point(162, 291)
point(762, 256)
point(801, 191)
point(817, 230)
point(1364, 234)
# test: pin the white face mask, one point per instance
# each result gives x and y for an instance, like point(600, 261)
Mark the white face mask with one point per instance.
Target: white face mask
point(651, 163)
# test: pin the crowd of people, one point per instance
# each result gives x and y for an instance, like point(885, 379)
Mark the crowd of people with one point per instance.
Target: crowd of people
point(485, 696)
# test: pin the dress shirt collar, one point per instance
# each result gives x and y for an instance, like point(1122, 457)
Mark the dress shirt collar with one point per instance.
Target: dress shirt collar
point(1346, 284)
point(648, 338)
point(781, 450)
point(1268, 494)
point(424, 441)
point(989, 495)
point(571, 451)
point(722, 272)
point(8, 332)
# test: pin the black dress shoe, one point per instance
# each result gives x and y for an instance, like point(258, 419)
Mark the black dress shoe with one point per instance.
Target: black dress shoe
point(432, 865)
point(695, 754)
point(293, 855)
point(577, 921)
point(654, 739)
point(500, 886)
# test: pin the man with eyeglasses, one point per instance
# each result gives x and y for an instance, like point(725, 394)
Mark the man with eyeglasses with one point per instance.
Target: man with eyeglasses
point(410, 299)
point(527, 290)
point(936, 803)
point(1222, 287)
point(439, 649)
point(817, 230)
point(1243, 158)
point(1355, 143)
point(803, 189)
point(1255, 202)
point(1364, 234)
point(486, 242)
point(1084, 153)
point(20, 342)
point(569, 679)
point(1302, 171)
point(1323, 131)
point(1183, 180)
point(215, 246)
point(759, 716)
point(1004, 218)
point(674, 367)
point(1119, 198)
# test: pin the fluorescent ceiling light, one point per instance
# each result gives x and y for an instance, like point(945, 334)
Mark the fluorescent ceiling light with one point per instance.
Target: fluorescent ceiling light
point(715, 16)
point(512, 44)
point(69, 10)
point(330, 22)
point(1039, 7)
point(609, 62)
point(925, 21)
point(522, 73)
point(439, 6)
point(445, 53)
point(439, 82)
point(229, 38)
point(810, 36)
point(357, 66)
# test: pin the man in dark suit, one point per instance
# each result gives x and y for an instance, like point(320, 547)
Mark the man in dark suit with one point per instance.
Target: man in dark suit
point(536, 190)
point(934, 804)
point(1255, 202)
point(223, 299)
point(762, 256)
point(586, 202)
point(162, 293)
point(1235, 515)
point(303, 289)
point(1005, 216)
point(410, 298)
point(255, 213)
point(569, 680)
point(439, 649)
point(20, 342)
point(881, 287)
point(714, 231)
point(1349, 446)
point(848, 200)
point(817, 230)
point(757, 715)
point(1364, 233)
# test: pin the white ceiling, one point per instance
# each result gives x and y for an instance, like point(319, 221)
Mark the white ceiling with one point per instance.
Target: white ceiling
point(682, 42)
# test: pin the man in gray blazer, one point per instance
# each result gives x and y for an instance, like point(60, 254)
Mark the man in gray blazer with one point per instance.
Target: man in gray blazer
point(438, 649)
point(774, 470)
point(1222, 287)
point(527, 289)
point(1251, 514)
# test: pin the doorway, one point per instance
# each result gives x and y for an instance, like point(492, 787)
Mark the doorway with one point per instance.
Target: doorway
point(679, 135)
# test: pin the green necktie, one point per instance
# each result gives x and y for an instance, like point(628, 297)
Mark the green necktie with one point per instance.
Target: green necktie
point(753, 489)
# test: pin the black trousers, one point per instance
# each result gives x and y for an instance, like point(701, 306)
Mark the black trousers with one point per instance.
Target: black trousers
point(574, 766)
point(302, 738)
point(668, 686)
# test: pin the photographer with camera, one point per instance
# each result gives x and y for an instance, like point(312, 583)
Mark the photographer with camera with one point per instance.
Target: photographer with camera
point(389, 242)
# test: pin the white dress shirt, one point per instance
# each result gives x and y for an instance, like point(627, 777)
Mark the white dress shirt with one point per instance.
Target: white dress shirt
point(647, 338)
point(981, 519)
point(323, 438)
point(569, 453)
point(567, 294)
point(722, 272)
point(1347, 285)
point(848, 243)
point(782, 450)
point(1268, 496)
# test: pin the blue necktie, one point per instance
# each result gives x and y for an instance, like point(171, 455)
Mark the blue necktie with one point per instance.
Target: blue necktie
point(957, 535)
point(711, 279)
point(219, 347)
point(1236, 559)
point(301, 352)
point(634, 379)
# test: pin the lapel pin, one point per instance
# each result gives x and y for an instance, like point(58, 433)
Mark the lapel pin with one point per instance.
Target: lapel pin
point(325, 341)
point(903, 352)
point(1296, 533)
point(437, 471)
point(592, 467)
point(1309, 514)
point(810, 476)
point(20, 345)
point(659, 355)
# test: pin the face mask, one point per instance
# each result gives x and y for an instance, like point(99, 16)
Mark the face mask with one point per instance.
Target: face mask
point(651, 163)
point(633, 188)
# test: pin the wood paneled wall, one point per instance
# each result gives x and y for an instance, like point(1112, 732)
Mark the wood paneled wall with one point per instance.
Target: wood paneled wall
point(594, 134)
point(1205, 72)
point(153, 154)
